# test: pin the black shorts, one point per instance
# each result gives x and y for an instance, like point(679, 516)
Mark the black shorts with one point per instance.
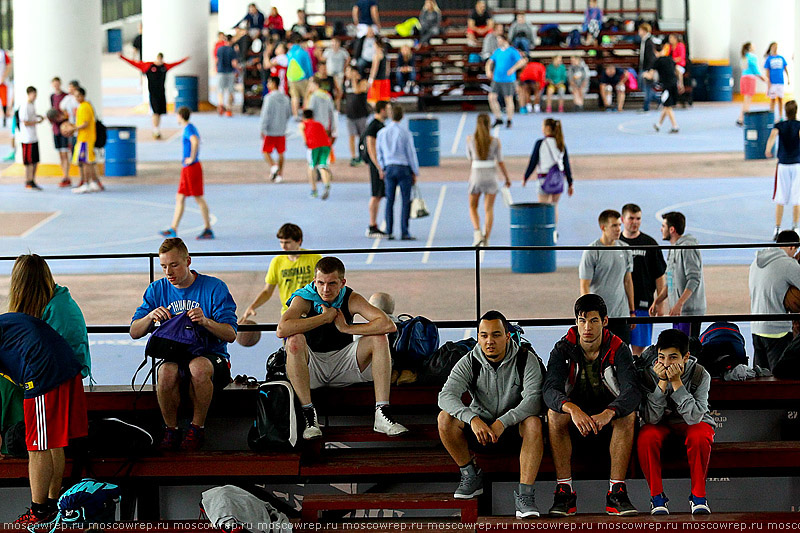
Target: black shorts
point(61, 142)
point(30, 153)
point(509, 442)
point(158, 103)
point(378, 185)
point(669, 96)
point(222, 371)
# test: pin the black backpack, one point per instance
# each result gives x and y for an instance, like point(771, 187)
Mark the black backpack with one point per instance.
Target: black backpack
point(363, 153)
point(437, 368)
point(788, 365)
point(522, 363)
point(113, 437)
point(278, 418)
point(276, 365)
point(100, 134)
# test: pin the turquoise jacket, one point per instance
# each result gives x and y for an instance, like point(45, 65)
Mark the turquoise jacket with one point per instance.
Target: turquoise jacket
point(63, 315)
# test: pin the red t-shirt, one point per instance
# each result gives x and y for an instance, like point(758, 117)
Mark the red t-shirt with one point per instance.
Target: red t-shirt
point(533, 71)
point(315, 133)
point(274, 22)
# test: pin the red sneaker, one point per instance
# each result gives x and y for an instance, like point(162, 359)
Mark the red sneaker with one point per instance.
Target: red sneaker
point(66, 182)
point(228, 113)
point(220, 109)
point(171, 440)
point(194, 438)
point(29, 518)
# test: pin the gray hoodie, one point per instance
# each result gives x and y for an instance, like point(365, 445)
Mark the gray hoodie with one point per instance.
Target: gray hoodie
point(500, 396)
point(321, 103)
point(771, 274)
point(276, 110)
point(682, 406)
point(685, 271)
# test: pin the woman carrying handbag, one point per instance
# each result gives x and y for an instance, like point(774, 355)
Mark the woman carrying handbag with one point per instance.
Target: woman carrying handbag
point(550, 160)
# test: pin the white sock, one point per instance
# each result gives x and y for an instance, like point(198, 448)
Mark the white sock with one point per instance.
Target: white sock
point(567, 481)
point(612, 482)
point(380, 404)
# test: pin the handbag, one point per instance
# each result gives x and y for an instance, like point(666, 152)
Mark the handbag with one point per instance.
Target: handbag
point(418, 207)
point(553, 181)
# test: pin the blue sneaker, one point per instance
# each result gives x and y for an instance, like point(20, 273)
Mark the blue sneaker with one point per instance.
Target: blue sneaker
point(206, 235)
point(699, 505)
point(169, 233)
point(658, 504)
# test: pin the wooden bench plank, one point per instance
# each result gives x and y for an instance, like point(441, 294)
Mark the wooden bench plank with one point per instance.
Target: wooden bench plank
point(314, 503)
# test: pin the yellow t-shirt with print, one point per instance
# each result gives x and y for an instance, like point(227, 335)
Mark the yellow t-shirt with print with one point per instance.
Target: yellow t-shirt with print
point(290, 275)
point(85, 114)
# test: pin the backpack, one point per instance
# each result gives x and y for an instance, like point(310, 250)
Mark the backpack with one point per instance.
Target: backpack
point(723, 348)
point(112, 437)
point(787, 367)
point(417, 339)
point(100, 134)
point(633, 80)
point(574, 39)
point(88, 501)
point(363, 153)
point(277, 420)
point(522, 362)
point(276, 365)
point(232, 508)
point(550, 35)
point(14, 439)
point(437, 368)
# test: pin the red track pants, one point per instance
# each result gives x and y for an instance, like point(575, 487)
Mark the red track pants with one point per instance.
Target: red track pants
point(698, 439)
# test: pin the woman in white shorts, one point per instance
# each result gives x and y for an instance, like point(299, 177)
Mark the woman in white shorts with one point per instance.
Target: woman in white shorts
point(485, 154)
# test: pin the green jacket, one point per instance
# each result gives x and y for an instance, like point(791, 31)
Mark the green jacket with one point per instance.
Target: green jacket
point(63, 315)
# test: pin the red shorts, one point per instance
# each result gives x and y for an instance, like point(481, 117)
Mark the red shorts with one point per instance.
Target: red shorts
point(379, 90)
point(56, 416)
point(747, 85)
point(3, 94)
point(191, 180)
point(274, 143)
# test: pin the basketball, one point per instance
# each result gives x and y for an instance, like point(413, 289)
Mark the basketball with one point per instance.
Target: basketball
point(53, 115)
point(792, 300)
point(248, 338)
point(67, 129)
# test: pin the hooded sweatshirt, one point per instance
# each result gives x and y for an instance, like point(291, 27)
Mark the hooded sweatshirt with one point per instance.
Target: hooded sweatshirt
point(771, 274)
point(687, 405)
point(685, 271)
point(499, 394)
point(276, 110)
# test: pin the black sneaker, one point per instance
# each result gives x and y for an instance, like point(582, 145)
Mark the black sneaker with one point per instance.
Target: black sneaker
point(618, 503)
point(374, 232)
point(565, 501)
point(312, 430)
point(508, 124)
point(497, 122)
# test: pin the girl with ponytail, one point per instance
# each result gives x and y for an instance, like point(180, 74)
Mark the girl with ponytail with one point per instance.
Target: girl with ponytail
point(551, 163)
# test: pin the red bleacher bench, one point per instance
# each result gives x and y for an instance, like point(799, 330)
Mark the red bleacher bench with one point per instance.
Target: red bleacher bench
point(314, 503)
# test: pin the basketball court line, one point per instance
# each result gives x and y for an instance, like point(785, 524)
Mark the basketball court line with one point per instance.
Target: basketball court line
point(375, 244)
point(674, 207)
point(459, 132)
point(39, 224)
point(435, 223)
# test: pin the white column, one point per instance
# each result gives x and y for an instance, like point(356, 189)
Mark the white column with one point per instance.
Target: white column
point(709, 29)
point(795, 59)
point(231, 11)
point(56, 38)
point(761, 23)
point(178, 28)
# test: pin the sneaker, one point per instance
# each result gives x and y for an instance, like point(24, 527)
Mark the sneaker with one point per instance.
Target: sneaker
point(194, 439)
point(739, 123)
point(775, 233)
point(220, 110)
point(278, 178)
point(699, 505)
point(66, 182)
point(523, 110)
point(497, 122)
point(548, 109)
point(384, 423)
point(390, 236)
point(560, 108)
point(565, 501)
point(157, 135)
point(658, 504)
point(95, 186)
point(326, 193)
point(537, 108)
point(30, 519)
point(354, 162)
point(408, 238)
point(81, 189)
point(674, 130)
point(618, 503)
point(471, 485)
point(32, 186)
point(273, 173)
point(313, 194)
point(477, 237)
point(207, 235)
point(312, 430)
point(228, 113)
point(373, 232)
point(656, 127)
point(529, 108)
point(169, 233)
point(525, 505)
point(508, 124)
point(171, 439)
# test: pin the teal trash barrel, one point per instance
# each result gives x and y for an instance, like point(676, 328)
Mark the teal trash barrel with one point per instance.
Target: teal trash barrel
point(114, 40)
point(757, 127)
point(426, 140)
point(120, 151)
point(533, 224)
point(699, 82)
point(720, 83)
point(187, 92)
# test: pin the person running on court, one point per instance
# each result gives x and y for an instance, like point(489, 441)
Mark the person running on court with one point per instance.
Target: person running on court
point(191, 183)
point(276, 110)
point(319, 152)
point(787, 175)
point(156, 72)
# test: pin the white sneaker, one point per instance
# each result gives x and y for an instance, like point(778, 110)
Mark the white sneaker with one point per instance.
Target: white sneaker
point(312, 429)
point(537, 108)
point(385, 424)
point(477, 237)
point(94, 187)
point(529, 107)
point(83, 189)
point(277, 179)
point(273, 172)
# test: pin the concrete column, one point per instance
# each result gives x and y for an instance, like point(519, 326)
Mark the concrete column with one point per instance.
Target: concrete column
point(709, 29)
point(762, 23)
point(232, 11)
point(178, 28)
point(795, 59)
point(56, 38)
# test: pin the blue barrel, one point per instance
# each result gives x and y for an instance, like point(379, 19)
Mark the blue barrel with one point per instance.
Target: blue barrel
point(720, 83)
point(114, 40)
point(700, 82)
point(533, 224)
point(426, 140)
point(187, 92)
point(120, 151)
point(214, 6)
point(757, 127)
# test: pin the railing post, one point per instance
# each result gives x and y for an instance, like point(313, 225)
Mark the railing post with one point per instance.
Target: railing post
point(477, 283)
point(150, 258)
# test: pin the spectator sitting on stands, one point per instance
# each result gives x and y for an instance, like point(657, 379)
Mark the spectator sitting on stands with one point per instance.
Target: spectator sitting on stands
point(430, 21)
point(613, 80)
point(405, 71)
point(578, 76)
point(677, 51)
point(591, 383)
point(592, 22)
point(676, 403)
point(504, 415)
point(301, 27)
point(336, 59)
point(207, 301)
point(556, 78)
point(772, 273)
point(274, 24)
point(364, 52)
point(365, 14)
point(254, 20)
point(320, 351)
point(479, 23)
point(531, 82)
point(490, 43)
point(521, 32)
